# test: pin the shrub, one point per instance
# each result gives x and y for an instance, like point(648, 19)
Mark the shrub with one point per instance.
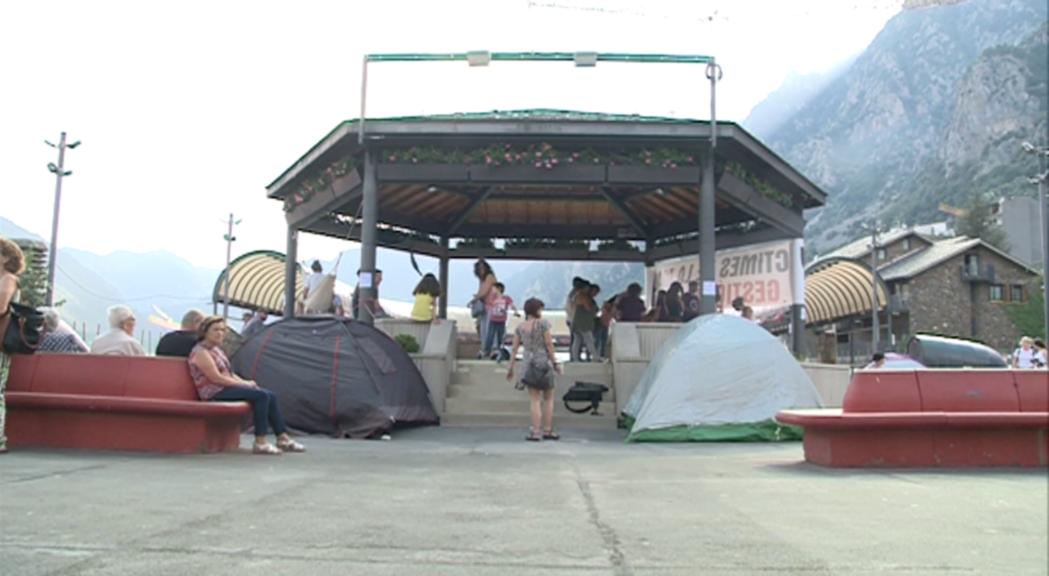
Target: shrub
point(408, 343)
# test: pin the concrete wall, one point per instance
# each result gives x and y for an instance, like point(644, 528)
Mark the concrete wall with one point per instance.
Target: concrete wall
point(830, 380)
point(436, 358)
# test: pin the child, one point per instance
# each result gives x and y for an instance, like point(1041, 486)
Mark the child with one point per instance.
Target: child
point(426, 294)
point(498, 305)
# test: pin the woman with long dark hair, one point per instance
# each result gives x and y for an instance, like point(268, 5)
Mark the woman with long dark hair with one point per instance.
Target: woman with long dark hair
point(427, 293)
point(482, 299)
point(675, 305)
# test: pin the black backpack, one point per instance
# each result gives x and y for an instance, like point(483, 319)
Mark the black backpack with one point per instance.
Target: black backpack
point(585, 392)
point(24, 331)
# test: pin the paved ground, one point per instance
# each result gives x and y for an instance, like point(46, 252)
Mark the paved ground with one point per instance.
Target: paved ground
point(443, 501)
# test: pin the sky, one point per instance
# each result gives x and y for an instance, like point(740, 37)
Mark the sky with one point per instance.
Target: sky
point(187, 110)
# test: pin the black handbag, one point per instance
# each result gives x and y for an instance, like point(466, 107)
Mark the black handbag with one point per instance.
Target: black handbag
point(24, 331)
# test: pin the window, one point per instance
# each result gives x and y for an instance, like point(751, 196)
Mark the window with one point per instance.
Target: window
point(881, 254)
point(1016, 293)
point(996, 292)
point(906, 244)
point(972, 265)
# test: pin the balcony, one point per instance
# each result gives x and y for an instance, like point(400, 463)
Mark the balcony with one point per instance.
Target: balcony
point(898, 303)
point(978, 274)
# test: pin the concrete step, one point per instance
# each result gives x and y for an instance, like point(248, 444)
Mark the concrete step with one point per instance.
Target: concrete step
point(519, 405)
point(503, 389)
point(521, 420)
point(489, 374)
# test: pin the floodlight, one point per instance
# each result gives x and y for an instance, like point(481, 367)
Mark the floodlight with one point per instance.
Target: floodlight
point(585, 59)
point(73, 145)
point(479, 57)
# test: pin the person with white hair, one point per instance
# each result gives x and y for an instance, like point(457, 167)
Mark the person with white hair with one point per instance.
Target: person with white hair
point(1024, 356)
point(119, 341)
point(181, 342)
point(59, 338)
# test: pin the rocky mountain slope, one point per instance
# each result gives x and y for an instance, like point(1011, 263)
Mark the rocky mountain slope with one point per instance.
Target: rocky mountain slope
point(934, 108)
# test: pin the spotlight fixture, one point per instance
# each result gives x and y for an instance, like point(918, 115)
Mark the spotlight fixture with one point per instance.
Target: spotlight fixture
point(432, 189)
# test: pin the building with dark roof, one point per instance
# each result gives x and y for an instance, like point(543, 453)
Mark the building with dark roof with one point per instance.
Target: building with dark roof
point(952, 286)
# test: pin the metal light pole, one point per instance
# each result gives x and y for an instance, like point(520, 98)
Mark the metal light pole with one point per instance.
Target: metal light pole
point(59, 171)
point(229, 238)
point(875, 329)
point(1043, 204)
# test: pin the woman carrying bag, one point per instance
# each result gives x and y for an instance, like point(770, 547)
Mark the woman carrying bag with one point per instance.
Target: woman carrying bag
point(537, 369)
point(12, 263)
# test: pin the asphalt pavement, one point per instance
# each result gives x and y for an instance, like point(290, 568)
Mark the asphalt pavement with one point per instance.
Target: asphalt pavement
point(473, 501)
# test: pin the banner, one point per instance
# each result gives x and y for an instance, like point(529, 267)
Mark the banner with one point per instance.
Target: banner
point(759, 273)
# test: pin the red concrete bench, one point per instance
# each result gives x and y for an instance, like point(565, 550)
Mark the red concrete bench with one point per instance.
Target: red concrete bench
point(930, 418)
point(115, 403)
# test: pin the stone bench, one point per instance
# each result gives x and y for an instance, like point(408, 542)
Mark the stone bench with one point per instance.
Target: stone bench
point(932, 418)
point(115, 403)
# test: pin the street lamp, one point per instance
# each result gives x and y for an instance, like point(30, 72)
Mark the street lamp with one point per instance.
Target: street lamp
point(60, 172)
point(1040, 179)
point(230, 239)
point(875, 329)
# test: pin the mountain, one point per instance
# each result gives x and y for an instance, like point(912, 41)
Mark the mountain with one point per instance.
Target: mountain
point(9, 229)
point(787, 100)
point(551, 281)
point(924, 115)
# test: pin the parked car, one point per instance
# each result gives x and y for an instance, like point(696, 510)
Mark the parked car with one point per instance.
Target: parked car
point(894, 361)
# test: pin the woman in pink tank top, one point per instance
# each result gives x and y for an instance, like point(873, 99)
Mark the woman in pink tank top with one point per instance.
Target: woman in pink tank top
point(216, 382)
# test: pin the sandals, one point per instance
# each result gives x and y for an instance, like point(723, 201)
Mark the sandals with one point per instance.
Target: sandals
point(533, 436)
point(266, 449)
point(551, 435)
point(291, 446)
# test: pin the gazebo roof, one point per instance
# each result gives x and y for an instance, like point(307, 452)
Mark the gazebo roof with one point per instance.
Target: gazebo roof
point(544, 178)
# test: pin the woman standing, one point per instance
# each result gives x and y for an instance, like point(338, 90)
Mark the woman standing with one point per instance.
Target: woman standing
point(534, 335)
point(482, 299)
point(216, 382)
point(12, 263)
point(675, 306)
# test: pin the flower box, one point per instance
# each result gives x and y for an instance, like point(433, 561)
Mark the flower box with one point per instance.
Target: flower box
point(654, 175)
point(562, 173)
point(428, 173)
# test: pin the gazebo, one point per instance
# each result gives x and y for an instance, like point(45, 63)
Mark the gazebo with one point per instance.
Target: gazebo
point(539, 184)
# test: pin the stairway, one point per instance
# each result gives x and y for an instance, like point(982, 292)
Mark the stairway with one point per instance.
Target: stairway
point(479, 395)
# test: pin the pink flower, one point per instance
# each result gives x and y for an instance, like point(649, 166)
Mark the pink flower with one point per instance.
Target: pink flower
point(538, 154)
point(415, 160)
point(554, 161)
point(507, 156)
point(393, 158)
point(648, 161)
point(538, 164)
point(571, 160)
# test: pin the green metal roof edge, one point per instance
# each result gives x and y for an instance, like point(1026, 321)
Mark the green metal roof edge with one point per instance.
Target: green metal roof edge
point(512, 115)
point(542, 56)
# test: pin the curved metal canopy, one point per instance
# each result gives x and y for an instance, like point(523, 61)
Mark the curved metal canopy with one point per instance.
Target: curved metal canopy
point(257, 282)
point(837, 288)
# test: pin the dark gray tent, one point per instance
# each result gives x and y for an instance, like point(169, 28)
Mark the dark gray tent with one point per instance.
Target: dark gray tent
point(336, 376)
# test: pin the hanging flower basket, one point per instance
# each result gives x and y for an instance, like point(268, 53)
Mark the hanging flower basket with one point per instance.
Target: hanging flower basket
point(427, 173)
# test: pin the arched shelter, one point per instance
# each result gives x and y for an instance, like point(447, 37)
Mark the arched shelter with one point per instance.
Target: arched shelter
point(550, 184)
point(256, 281)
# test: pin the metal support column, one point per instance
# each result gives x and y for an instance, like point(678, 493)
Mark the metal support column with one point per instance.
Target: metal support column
point(875, 331)
point(708, 284)
point(797, 306)
point(369, 233)
point(290, 270)
point(442, 273)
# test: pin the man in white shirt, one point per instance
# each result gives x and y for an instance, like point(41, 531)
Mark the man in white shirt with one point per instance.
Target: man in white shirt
point(119, 341)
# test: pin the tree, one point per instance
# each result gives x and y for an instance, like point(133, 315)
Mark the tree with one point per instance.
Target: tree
point(33, 282)
point(1029, 317)
point(977, 220)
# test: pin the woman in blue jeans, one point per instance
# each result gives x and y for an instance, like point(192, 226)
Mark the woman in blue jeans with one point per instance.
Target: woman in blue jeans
point(216, 382)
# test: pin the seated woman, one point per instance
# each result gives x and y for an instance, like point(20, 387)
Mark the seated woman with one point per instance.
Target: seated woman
point(216, 382)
